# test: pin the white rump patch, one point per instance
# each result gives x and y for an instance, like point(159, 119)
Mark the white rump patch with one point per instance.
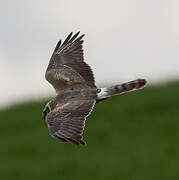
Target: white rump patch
point(103, 93)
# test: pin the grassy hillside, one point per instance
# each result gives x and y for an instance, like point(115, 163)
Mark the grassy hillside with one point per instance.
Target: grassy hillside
point(129, 137)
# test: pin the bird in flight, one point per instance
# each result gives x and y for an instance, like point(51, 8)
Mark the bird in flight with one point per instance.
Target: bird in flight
point(74, 83)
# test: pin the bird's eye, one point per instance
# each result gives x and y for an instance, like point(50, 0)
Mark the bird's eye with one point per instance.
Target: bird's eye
point(45, 112)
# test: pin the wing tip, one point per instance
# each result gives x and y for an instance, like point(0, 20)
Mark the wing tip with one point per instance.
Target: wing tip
point(69, 39)
point(64, 138)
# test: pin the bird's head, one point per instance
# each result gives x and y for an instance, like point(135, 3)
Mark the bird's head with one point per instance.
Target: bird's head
point(46, 110)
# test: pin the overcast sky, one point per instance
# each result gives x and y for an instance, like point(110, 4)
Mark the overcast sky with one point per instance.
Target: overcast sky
point(125, 40)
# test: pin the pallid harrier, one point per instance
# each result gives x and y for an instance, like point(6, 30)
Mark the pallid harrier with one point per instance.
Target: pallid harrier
point(76, 91)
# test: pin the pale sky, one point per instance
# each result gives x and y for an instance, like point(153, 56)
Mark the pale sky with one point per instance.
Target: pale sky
point(124, 40)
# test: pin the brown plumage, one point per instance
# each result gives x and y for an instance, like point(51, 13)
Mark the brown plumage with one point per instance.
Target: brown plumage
point(74, 83)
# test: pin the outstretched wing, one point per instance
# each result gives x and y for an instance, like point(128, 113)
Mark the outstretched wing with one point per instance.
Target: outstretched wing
point(67, 64)
point(66, 122)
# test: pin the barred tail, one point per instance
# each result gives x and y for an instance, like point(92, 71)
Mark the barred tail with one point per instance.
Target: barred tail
point(119, 89)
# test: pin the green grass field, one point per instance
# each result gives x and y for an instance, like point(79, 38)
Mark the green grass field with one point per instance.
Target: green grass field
point(129, 137)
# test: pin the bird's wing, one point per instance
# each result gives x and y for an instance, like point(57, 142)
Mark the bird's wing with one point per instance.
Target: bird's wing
point(66, 121)
point(67, 64)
